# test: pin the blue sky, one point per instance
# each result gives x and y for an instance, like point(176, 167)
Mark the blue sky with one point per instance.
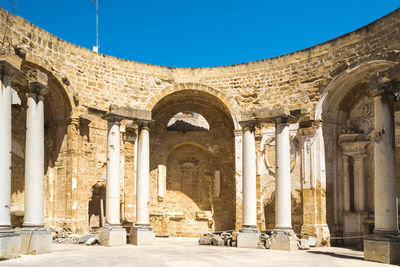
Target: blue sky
point(190, 33)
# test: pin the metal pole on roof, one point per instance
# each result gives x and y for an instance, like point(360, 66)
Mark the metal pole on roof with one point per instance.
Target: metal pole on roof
point(96, 48)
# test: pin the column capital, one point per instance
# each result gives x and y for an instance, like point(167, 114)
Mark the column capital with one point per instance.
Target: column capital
point(386, 82)
point(37, 82)
point(113, 118)
point(251, 124)
point(238, 132)
point(142, 123)
point(358, 157)
point(283, 119)
point(385, 88)
point(308, 129)
point(9, 64)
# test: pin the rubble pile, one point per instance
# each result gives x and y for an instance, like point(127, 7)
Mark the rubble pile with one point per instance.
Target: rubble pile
point(60, 235)
point(228, 239)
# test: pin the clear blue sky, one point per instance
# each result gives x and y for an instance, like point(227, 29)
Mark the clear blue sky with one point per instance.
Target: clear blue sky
point(190, 33)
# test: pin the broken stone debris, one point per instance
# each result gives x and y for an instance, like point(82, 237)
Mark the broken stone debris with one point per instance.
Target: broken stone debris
point(228, 239)
point(303, 244)
point(312, 241)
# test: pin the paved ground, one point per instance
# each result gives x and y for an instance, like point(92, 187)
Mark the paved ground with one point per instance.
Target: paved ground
point(186, 252)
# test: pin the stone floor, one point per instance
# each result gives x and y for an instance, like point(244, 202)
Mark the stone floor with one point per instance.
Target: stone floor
point(186, 252)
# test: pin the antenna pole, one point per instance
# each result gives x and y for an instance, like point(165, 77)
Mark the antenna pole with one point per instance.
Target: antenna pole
point(97, 23)
point(96, 47)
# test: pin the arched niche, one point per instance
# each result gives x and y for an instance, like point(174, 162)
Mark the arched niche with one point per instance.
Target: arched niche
point(218, 141)
point(346, 109)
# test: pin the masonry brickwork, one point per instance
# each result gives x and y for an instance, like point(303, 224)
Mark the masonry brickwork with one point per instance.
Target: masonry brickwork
point(83, 84)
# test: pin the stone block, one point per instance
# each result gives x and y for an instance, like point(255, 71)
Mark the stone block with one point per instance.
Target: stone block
point(37, 78)
point(36, 241)
point(142, 236)
point(9, 63)
point(10, 245)
point(247, 239)
point(284, 241)
point(112, 236)
point(385, 250)
point(131, 113)
point(353, 225)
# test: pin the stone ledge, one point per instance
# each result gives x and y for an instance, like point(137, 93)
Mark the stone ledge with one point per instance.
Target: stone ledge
point(142, 236)
point(247, 239)
point(284, 240)
point(112, 236)
point(36, 241)
point(10, 245)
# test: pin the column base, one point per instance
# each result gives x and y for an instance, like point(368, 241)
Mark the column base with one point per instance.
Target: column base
point(142, 235)
point(35, 240)
point(284, 239)
point(248, 237)
point(319, 231)
point(10, 244)
point(382, 249)
point(112, 236)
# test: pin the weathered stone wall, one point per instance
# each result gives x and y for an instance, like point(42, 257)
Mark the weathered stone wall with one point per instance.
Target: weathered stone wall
point(85, 83)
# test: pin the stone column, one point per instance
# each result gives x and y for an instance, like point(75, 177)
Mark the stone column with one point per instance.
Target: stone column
point(284, 235)
point(249, 233)
point(359, 182)
point(113, 234)
point(386, 214)
point(35, 238)
point(385, 244)
point(346, 182)
point(249, 179)
point(142, 234)
point(283, 209)
point(10, 242)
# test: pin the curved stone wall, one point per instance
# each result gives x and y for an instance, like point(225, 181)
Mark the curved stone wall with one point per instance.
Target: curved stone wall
point(86, 83)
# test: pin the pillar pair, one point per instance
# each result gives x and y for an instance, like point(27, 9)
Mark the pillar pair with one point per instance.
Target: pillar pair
point(249, 234)
point(34, 238)
point(113, 234)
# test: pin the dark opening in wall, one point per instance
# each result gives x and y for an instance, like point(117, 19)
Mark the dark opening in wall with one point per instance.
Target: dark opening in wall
point(188, 122)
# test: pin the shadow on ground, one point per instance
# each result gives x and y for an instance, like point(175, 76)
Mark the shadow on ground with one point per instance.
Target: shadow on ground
point(337, 255)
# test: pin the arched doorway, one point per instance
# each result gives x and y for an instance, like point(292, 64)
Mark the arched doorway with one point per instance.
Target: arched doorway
point(192, 165)
point(346, 110)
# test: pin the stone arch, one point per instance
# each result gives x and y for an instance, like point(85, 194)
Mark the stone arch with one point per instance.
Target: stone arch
point(346, 99)
point(340, 85)
point(227, 101)
point(192, 144)
point(217, 143)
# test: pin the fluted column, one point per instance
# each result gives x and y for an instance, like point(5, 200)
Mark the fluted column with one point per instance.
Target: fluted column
point(386, 209)
point(346, 182)
point(359, 182)
point(34, 150)
point(249, 177)
point(283, 210)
